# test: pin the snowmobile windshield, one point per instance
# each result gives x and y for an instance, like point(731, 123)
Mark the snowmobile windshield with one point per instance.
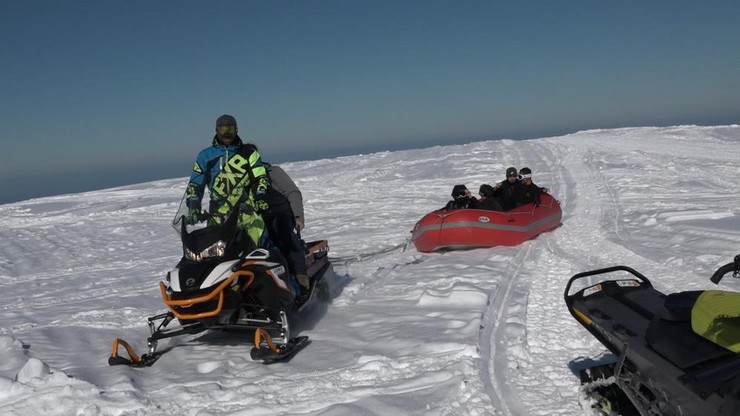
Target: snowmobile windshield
point(191, 218)
point(205, 215)
point(207, 236)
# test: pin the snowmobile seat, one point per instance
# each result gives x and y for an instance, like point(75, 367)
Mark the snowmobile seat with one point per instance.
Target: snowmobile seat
point(670, 333)
point(677, 306)
point(679, 344)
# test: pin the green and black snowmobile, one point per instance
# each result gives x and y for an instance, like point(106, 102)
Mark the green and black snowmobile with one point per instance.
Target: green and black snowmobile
point(676, 354)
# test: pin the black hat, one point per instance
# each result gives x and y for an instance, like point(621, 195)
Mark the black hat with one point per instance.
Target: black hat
point(486, 190)
point(458, 191)
point(525, 171)
point(226, 120)
point(510, 171)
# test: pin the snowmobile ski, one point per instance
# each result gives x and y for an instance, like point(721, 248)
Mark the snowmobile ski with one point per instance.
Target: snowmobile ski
point(268, 351)
point(145, 360)
point(283, 353)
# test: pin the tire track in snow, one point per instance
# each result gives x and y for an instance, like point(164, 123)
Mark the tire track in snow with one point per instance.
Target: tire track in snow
point(600, 210)
point(494, 340)
point(587, 240)
point(503, 319)
point(539, 274)
point(493, 336)
point(604, 184)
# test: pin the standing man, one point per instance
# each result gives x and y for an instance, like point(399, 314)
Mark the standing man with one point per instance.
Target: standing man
point(235, 175)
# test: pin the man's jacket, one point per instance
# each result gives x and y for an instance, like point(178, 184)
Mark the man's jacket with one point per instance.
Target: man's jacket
point(283, 194)
point(530, 193)
point(234, 175)
point(508, 194)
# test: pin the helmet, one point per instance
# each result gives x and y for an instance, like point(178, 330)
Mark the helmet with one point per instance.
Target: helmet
point(459, 191)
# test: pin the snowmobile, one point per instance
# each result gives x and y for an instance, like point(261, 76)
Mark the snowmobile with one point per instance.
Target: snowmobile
point(677, 354)
point(224, 282)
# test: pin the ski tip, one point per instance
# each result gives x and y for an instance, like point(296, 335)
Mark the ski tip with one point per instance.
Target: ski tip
point(264, 355)
point(145, 361)
point(119, 361)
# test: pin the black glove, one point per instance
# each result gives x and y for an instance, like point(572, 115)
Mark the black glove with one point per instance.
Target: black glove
point(194, 216)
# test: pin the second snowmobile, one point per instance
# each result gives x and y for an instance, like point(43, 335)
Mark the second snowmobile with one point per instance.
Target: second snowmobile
point(677, 354)
point(224, 282)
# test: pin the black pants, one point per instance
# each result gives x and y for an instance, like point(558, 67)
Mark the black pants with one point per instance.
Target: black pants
point(281, 229)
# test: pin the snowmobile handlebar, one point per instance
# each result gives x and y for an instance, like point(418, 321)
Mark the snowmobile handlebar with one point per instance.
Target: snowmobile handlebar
point(733, 267)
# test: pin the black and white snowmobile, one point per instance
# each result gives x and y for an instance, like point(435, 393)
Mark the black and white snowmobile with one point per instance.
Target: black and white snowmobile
point(676, 354)
point(224, 282)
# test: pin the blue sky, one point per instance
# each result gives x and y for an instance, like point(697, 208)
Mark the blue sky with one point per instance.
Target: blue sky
point(104, 93)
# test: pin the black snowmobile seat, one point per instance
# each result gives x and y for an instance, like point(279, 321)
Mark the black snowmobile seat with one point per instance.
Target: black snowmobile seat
point(670, 333)
point(679, 344)
point(678, 306)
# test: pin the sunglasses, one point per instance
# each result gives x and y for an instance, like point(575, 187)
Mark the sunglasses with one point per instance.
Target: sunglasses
point(226, 130)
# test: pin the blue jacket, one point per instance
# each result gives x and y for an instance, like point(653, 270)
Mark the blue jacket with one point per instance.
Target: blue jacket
point(224, 169)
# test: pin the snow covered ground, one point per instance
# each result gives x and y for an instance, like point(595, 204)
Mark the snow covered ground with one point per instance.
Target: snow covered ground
point(478, 332)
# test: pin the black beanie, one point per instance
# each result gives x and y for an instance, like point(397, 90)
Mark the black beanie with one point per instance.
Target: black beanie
point(226, 120)
point(511, 171)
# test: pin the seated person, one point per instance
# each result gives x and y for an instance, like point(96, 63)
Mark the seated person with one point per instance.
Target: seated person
point(461, 199)
point(487, 200)
point(507, 191)
point(529, 191)
point(284, 218)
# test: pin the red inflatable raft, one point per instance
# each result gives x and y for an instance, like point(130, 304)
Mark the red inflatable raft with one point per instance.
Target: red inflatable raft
point(470, 228)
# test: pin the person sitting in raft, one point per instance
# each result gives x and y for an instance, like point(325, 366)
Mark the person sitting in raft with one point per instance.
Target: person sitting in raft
point(508, 191)
point(487, 199)
point(461, 199)
point(529, 191)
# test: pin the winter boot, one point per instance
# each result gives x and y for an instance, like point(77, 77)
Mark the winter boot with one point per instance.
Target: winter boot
point(303, 281)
